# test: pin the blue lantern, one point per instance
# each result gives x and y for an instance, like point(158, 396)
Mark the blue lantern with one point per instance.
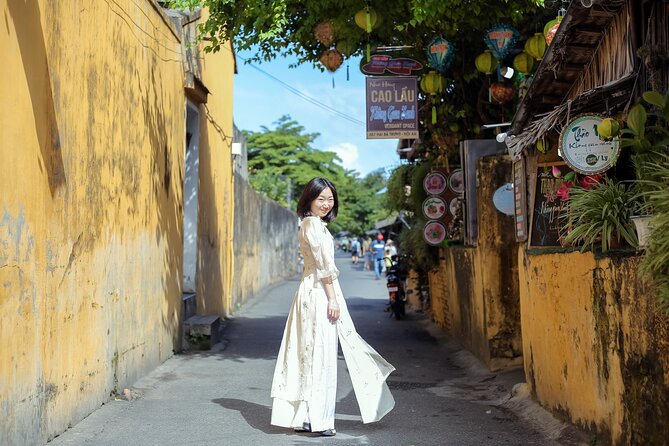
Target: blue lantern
point(440, 54)
point(500, 39)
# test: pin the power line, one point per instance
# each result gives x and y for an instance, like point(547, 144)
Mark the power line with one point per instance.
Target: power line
point(306, 97)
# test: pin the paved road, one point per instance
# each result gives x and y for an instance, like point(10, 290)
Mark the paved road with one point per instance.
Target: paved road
point(222, 397)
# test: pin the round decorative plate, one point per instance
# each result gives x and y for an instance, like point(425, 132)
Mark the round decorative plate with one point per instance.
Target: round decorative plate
point(457, 181)
point(434, 207)
point(434, 233)
point(434, 183)
point(454, 206)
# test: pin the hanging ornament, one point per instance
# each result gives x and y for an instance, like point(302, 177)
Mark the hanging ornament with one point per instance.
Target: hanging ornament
point(551, 29)
point(523, 63)
point(608, 129)
point(432, 83)
point(324, 33)
point(367, 19)
point(331, 60)
point(485, 62)
point(440, 54)
point(500, 39)
point(502, 92)
point(536, 46)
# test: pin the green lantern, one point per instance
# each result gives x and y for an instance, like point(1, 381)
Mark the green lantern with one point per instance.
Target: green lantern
point(536, 46)
point(433, 84)
point(366, 19)
point(485, 62)
point(523, 63)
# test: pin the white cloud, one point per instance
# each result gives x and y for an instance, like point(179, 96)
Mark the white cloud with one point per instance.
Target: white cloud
point(348, 153)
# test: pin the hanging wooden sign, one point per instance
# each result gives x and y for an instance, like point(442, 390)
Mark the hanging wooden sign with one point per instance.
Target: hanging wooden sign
point(520, 200)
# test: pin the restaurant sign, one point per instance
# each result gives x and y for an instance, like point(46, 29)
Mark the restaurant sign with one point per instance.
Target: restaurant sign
point(582, 148)
point(392, 108)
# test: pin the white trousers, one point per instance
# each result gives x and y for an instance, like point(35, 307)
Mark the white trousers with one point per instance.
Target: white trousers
point(319, 409)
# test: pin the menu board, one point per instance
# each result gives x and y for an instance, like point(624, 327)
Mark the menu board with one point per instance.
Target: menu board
point(520, 199)
point(548, 207)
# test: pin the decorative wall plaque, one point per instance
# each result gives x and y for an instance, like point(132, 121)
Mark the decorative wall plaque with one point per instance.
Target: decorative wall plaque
point(583, 150)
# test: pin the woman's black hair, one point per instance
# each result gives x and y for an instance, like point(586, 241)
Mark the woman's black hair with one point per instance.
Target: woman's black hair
point(311, 191)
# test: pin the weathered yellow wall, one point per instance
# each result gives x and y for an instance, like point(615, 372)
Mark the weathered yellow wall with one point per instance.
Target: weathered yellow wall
point(92, 146)
point(474, 291)
point(596, 348)
point(216, 193)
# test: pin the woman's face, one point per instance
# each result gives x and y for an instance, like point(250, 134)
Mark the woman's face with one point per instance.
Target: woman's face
point(323, 203)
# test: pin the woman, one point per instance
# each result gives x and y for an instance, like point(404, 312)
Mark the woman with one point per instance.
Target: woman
point(304, 388)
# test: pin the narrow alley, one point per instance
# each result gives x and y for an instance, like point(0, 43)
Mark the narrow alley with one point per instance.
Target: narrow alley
point(443, 396)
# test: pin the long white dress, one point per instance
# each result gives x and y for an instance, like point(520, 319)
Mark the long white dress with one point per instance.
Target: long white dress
point(305, 378)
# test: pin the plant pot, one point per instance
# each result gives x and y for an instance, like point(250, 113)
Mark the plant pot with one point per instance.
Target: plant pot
point(642, 226)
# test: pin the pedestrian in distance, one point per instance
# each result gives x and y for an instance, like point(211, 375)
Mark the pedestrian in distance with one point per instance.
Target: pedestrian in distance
point(378, 248)
point(304, 387)
point(355, 250)
point(366, 251)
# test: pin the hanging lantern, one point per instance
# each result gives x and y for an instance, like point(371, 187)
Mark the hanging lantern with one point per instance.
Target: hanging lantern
point(502, 92)
point(485, 62)
point(536, 46)
point(324, 33)
point(500, 39)
point(608, 129)
point(366, 19)
point(523, 63)
point(331, 60)
point(551, 28)
point(440, 54)
point(433, 84)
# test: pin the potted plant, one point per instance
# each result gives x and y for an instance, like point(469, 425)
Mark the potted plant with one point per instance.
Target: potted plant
point(599, 213)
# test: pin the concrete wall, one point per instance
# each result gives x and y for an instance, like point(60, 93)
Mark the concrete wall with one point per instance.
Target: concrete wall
point(474, 291)
point(91, 230)
point(596, 347)
point(266, 245)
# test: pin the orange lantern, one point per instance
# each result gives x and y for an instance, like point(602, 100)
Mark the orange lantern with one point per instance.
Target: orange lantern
point(502, 92)
point(331, 60)
point(324, 33)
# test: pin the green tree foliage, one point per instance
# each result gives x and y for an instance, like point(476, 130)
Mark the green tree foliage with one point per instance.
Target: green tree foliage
point(282, 160)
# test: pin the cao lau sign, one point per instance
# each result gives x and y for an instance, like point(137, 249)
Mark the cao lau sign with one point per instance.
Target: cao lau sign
point(391, 108)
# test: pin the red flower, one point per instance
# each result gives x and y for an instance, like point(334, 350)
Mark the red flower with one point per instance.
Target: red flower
point(563, 191)
point(590, 181)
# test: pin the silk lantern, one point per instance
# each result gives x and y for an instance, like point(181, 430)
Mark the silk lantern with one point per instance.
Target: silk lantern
point(366, 19)
point(523, 63)
point(346, 48)
point(485, 62)
point(324, 33)
point(502, 92)
point(331, 60)
point(433, 84)
point(551, 29)
point(536, 46)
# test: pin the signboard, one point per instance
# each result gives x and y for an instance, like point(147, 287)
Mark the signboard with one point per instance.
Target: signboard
point(379, 64)
point(548, 207)
point(520, 200)
point(392, 108)
point(582, 149)
point(443, 206)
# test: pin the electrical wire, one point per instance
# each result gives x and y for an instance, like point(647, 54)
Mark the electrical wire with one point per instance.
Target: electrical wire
point(304, 96)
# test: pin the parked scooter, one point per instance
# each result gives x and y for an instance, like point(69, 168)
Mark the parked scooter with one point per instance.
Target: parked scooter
point(395, 279)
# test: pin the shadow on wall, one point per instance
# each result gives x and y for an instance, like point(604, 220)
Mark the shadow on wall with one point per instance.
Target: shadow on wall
point(25, 15)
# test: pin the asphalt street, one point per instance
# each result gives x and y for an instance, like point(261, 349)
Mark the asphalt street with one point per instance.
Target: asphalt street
point(443, 395)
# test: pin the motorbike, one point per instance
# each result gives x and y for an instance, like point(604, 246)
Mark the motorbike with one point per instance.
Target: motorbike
point(395, 278)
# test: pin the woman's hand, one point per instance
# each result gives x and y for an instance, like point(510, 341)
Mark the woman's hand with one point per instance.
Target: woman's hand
point(333, 310)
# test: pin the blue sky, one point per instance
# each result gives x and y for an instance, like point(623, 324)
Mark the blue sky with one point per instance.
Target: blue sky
point(260, 100)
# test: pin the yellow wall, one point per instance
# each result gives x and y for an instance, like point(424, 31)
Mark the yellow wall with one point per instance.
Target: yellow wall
point(91, 231)
point(216, 186)
point(596, 348)
point(474, 290)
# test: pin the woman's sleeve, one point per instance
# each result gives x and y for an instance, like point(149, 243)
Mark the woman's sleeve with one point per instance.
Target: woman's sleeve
point(314, 234)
